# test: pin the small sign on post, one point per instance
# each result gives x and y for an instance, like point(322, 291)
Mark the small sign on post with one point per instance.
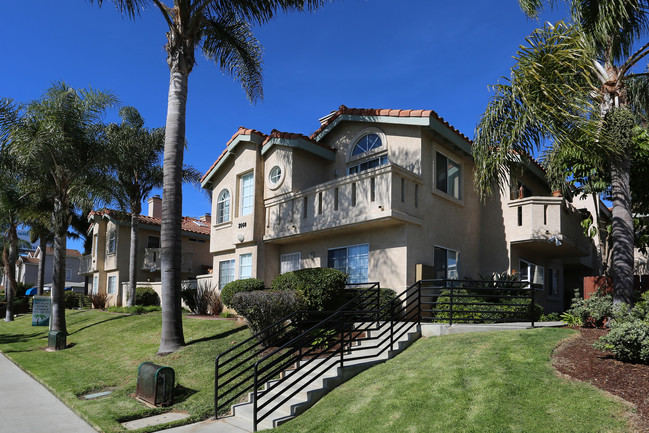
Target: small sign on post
point(41, 311)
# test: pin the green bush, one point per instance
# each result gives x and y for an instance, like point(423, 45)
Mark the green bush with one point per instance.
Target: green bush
point(629, 341)
point(262, 308)
point(518, 310)
point(592, 311)
point(21, 288)
point(135, 309)
point(323, 288)
point(70, 300)
point(237, 286)
point(550, 317)
point(146, 296)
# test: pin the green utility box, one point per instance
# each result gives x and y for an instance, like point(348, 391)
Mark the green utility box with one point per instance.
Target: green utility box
point(56, 340)
point(155, 384)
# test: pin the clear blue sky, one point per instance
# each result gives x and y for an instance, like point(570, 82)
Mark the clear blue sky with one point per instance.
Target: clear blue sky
point(407, 54)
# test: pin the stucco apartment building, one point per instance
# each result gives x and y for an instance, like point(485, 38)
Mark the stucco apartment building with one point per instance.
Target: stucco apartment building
point(108, 264)
point(27, 268)
point(388, 196)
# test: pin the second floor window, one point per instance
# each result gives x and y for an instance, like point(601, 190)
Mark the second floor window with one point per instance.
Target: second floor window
point(68, 274)
point(449, 176)
point(223, 207)
point(112, 240)
point(247, 194)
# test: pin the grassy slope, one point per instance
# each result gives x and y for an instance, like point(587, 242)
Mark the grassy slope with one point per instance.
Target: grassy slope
point(107, 351)
point(482, 382)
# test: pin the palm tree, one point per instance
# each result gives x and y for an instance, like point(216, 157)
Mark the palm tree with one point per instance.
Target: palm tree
point(222, 29)
point(59, 139)
point(573, 85)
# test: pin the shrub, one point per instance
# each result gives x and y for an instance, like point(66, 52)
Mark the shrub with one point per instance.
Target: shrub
point(70, 300)
point(629, 341)
point(98, 300)
point(146, 296)
point(21, 288)
point(203, 299)
point(519, 308)
point(135, 309)
point(550, 317)
point(237, 286)
point(262, 308)
point(592, 311)
point(323, 288)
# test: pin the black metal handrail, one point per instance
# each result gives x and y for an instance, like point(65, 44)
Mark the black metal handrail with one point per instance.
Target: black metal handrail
point(231, 383)
point(361, 330)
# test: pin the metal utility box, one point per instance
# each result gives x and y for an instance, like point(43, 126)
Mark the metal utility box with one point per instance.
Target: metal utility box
point(155, 384)
point(56, 340)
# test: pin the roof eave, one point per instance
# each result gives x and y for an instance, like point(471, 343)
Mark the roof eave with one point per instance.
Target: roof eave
point(300, 143)
point(248, 138)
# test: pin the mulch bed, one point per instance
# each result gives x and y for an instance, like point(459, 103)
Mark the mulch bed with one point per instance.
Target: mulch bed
point(577, 358)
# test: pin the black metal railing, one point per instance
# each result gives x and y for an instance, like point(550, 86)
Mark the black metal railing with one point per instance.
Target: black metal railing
point(307, 346)
point(478, 301)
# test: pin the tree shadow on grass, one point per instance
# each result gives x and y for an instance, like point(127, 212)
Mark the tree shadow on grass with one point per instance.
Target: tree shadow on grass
point(216, 336)
point(96, 323)
point(20, 338)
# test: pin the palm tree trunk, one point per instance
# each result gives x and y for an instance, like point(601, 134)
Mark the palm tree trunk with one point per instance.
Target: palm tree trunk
point(9, 259)
point(622, 229)
point(40, 282)
point(132, 267)
point(172, 338)
point(60, 216)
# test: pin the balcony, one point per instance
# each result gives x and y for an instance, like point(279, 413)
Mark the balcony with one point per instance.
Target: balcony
point(151, 261)
point(87, 265)
point(547, 226)
point(376, 198)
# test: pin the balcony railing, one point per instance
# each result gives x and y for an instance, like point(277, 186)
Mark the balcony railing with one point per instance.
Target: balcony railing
point(151, 261)
point(547, 219)
point(387, 193)
point(86, 265)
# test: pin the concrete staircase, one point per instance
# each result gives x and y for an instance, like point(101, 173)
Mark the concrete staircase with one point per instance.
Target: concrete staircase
point(318, 376)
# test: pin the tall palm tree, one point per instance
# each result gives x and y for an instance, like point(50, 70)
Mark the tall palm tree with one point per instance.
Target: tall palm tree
point(222, 30)
point(59, 139)
point(573, 85)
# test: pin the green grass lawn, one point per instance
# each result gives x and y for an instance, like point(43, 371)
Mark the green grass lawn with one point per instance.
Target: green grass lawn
point(481, 382)
point(107, 350)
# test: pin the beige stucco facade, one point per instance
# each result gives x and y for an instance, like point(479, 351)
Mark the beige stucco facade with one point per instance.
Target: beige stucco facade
point(108, 264)
point(389, 207)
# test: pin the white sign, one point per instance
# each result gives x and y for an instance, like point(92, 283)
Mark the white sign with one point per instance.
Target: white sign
point(41, 311)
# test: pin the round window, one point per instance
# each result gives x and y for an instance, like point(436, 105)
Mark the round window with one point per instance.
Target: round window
point(275, 176)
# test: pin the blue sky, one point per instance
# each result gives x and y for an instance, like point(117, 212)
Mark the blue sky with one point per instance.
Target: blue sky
point(407, 54)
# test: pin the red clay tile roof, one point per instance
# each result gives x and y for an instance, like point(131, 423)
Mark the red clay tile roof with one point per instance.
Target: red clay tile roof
point(189, 224)
point(240, 131)
point(33, 260)
point(386, 112)
point(74, 253)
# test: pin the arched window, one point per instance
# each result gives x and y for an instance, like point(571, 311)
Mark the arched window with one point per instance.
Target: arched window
point(367, 143)
point(223, 207)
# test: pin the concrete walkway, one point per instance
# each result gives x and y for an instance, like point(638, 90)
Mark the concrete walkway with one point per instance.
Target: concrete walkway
point(26, 406)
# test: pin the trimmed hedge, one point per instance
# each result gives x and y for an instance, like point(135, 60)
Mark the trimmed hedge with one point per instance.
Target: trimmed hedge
point(488, 313)
point(262, 308)
point(323, 288)
point(146, 297)
point(238, 286)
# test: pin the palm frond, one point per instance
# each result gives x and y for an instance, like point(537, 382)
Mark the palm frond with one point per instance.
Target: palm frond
point(228, 41)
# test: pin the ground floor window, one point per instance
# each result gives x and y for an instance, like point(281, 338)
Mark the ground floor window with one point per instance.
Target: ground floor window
point(226, 272)
point(446, 263)
point(95, 284)
point(111, 287)
point(352, 260)
point(289, 262)
point(530, 272)
point(245, 266)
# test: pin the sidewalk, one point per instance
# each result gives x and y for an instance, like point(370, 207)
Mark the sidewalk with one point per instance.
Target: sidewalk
point(21, 395)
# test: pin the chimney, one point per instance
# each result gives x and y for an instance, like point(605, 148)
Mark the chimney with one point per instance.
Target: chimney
point(207, 218)
point(155, 207)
